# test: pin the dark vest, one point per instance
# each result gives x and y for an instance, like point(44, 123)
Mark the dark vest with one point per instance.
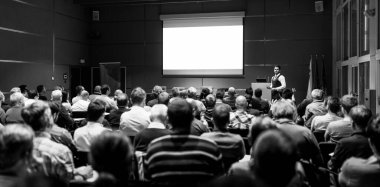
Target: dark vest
point(275, 82)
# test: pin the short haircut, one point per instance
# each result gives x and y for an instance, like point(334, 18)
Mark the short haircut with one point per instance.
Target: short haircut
point(231, 91)
point(241, 102)
point(333, 104)
point(183, 94)
point(56, 95)
point(95, 110)
point(192, 92)
point(249, 91)
point(32, 94)
point(204, 93)
point(156, 90)
point(317, 94)
point(221, 116)
point(40, 88)
point(111, 152)
point(258, 126)
point(79, 89)
point(117, 92)
point(36, 116)
point(180, 114)
point(159, 111)
point(163, 98)
point(97, 89)
point(2, 98)
point(17, 98)
point(275, 158)
point(23, 89)
point(175, 92)
point(258, 92)
point(219, 94)
point(122, 100)
point(138, 95)
point(65, 95)
point(84, 93)
point(373, 132)
point(278, 66)
point(287, 93)
point(360, 116)
point(105, 88)
point(16, 143)
point(348, 101)
point(14, 90)
point(283, 109)
point(210, 101)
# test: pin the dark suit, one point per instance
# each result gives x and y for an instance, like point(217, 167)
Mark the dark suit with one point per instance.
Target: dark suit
point(114, 117)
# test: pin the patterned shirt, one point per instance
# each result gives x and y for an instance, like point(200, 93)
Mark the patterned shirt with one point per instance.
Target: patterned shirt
point(240, 120)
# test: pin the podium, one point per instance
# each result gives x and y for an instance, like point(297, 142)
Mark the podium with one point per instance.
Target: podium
point(263, 86)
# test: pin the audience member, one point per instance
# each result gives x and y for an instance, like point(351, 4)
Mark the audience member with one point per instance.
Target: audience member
point(192, 96)
point(320, 123)
point(65, 101)
point(288, 95)
point(63, 120)
point(210, 104)
point(155, 129)
point(163, 98)
point(231, 145)
point(317, 107)
point(156, 91)
point(16, 146)
point(248, 95)
point(240, 119)
point(198, 126)
point(337, 130)
point(13, 114)
point(114, 116)
point(230, 99)
point(181, 158)
point(50, 158)
point(116, 94)
point(204, 93)
point(2, 112)
point(137, 119)
point(219, 97)
point(357, 144)
point(78, 91)
point(285, 113)
point(301, 109)
point(111, 156)
point(110, 103)
point(41, 92)
point(260, 104)
point(175, 94)
point(82, 104)
point(84, 135)
point(364, 172)
point(97, 92)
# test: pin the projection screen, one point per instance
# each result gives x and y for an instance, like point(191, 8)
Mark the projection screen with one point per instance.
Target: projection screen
point(208, 44)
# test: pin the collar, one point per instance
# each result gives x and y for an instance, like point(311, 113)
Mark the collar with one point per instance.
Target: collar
point(285, 121)
point(360, 133)
point(92, 123)
point(156, 125)
point(43, 134)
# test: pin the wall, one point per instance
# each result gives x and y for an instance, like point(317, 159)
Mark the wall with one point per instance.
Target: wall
point(40, 39)
point(275, 32)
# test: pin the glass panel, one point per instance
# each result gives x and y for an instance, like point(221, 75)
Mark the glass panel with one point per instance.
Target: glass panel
point(338, 91)
point(364, 28)
point(363, 80)
point(338, 38)
point(344, 80)
point(345, 32)
point(354, 13)
point(355, 81)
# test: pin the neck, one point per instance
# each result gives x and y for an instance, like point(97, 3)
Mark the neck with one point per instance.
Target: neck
point(223, 129)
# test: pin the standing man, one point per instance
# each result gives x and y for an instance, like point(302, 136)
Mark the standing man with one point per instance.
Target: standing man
point(278, 81)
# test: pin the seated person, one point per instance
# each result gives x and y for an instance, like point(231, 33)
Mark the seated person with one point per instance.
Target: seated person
point(320, 123)
point(156, 129)
point(192, 97)
point(262, 105)
point(317, 107)
point(240, 119)
point(357, 144)
point(63, 120)
point(337, 130)
point(231, 145)
point(163, 98)
point(198, 125)
point(110, 103)
point(156, 91)
point(364, 172)
point(13, 114)
point(78, 91)
point(230, 99)
point(210, 104)
point(114, 116)
point(82, 104)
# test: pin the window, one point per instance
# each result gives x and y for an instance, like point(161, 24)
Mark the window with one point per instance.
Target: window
point(354, 13)
point(338, 38)
point(363, 80)
point(344, 80)
point(364, 28)
point(345, 32)
point(338, 91)
point(355, 81)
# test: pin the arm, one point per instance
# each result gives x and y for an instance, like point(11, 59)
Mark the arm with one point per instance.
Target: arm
point(281, 78)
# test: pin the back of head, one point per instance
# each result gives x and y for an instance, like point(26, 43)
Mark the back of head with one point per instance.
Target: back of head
point(105, 88)
point(159, 112)
point(38, 116)
point(14, 90)
point(360, 116)
point(192, 92)
point(258, 126)
point(156, 90)
point(258, 92)
point(122, 100)
point(221, 116)
point(283, 109)
point(79, 89)
point(231, 91)
point(287, 93)
point(111, 153)
point(97, 89)
point(333, 104)
point(84, 94)
point(348, 101)
point(373, 132)
point(175, 92)
point(180, 115)
point(241, 102)
point(95, 110)
point(275, 157)
point(17, 99)
point(56, 95)
point(138, 96)
point(219, 94)
point(40, 88)
point(317, 94)
point(183, 94)
point(117, 92)
point(16, 144)
point(249, 91)
point(210, 101)
point(24, 90)
point(204, 93)
point(163, 98)
point(32, 94)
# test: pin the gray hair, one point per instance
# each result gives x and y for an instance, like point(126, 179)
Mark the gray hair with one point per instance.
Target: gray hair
point(159, 111)
point(56, 95)
point(283, 109)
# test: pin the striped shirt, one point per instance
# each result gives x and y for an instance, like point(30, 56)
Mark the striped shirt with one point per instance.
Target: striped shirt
point(182, 159)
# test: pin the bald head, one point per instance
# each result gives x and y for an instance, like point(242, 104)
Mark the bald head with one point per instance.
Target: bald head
point(159, 113)
point(241, 103)
point(84, 94)
point(56, 95)
point(231, 91)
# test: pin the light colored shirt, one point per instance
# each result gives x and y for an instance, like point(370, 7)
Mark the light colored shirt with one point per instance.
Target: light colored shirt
point(76, 99)
point(240, 120)
point(337, 130)
point(84, 135)
point(357, 172)
point(80, 105)
point(134, 121)
point(320, 123)
point(111, 104)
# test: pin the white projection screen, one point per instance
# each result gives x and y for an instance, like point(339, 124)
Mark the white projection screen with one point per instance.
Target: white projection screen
point(208, 44)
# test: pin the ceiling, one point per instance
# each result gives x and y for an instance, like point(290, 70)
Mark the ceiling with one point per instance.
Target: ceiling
point(103, 2)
